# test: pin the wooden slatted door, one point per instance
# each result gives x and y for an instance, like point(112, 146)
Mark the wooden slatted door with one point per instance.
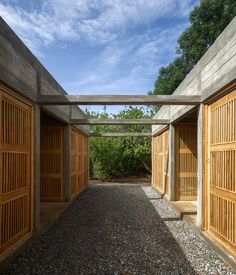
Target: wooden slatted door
point(16, 181)
point(186, 163)
point(52, 166)
point(166, 162)
point(74, 160)
point(154, 159)
point(222, 167)
point(80, 162)
point(85, 161)
point(160, 162)
point(157, 163)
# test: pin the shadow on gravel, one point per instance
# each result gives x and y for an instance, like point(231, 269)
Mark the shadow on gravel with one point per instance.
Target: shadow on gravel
point(107, 230)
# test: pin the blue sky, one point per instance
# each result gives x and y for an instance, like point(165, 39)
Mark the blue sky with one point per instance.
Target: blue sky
point(100, 46)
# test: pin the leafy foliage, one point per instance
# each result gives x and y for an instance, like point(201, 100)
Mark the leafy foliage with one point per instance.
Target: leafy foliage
point(171, 76)
point(120, 156)
point(208, 20)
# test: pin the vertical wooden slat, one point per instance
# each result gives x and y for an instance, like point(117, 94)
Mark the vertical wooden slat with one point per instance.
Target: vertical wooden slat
point(16, 150)
point(221, 182)
point(160, 162)
point(186, 162)
point(79, 160)
point(52, 166)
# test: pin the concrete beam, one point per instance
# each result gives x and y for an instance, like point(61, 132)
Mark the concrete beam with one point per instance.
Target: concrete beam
point(119, 100)
point(128, 134)
point(119, 122)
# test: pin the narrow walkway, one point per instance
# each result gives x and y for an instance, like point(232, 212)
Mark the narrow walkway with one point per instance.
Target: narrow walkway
point(119, 230)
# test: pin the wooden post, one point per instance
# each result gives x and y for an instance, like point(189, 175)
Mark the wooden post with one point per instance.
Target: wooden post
point(172, 162)
point(37, 167)
point(67, 162)
point(153, 169)
point(200, 160)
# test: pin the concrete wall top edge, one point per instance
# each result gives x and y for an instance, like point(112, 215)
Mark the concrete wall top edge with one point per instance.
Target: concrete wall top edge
point(214, 70)
point(16, 59)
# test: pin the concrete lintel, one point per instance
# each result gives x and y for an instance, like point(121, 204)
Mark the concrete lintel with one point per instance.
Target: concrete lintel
point(119, 121)
point(128, 134)
point(119, 100)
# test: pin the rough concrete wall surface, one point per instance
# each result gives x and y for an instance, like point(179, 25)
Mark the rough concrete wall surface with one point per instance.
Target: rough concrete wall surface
point(21, 70)
point(215, 69)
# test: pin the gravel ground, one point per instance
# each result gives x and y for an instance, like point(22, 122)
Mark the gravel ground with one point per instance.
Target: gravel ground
point(119, 230)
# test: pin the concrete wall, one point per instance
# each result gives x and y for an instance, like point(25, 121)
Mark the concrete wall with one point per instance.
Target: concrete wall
point(22, 71)
point(215, 69)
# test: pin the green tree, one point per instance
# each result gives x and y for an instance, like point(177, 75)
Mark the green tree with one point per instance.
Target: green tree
point(171, 76)
point(120, 156)
point(207, 21)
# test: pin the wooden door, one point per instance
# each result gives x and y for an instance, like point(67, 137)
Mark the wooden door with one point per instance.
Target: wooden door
point(221, 163)
point(166, 162)
point(160, 162)
point(74, 160)
point(154, 159)
point(186, 162)
point(16, 172)
point(79, 162)
point(85, 161)
point(52, 163)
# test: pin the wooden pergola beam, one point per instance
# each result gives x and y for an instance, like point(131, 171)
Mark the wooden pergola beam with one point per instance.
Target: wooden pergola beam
point(120, 121)
point(127, 134)
point(119, 100)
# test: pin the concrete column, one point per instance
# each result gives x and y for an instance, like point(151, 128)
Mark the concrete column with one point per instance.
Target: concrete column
point(200, 160)
point(172, 162)
point(67, 162)
point(37, 167)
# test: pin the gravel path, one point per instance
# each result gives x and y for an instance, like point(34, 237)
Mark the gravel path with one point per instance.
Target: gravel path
point(119, 230)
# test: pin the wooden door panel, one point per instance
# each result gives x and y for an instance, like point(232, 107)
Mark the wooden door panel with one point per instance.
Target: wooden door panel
point(79, 160)
point(160, 162)
point(51, 163)
point(16, 183)
point(186, 162)
point(221, 211)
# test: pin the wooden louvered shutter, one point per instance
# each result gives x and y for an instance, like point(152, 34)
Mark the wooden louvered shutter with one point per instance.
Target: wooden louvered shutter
point(52, 163)
point(85, 161)
point(222, 170)
point(186, 162)
point(16, 181)
point(74, 160)
point(160, 162)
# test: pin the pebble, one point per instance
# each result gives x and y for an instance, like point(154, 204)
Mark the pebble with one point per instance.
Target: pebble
point(119, 230)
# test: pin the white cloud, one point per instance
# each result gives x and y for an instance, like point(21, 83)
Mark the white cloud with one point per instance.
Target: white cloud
point(128, 66)
point(129, 60)
point(94, 21)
